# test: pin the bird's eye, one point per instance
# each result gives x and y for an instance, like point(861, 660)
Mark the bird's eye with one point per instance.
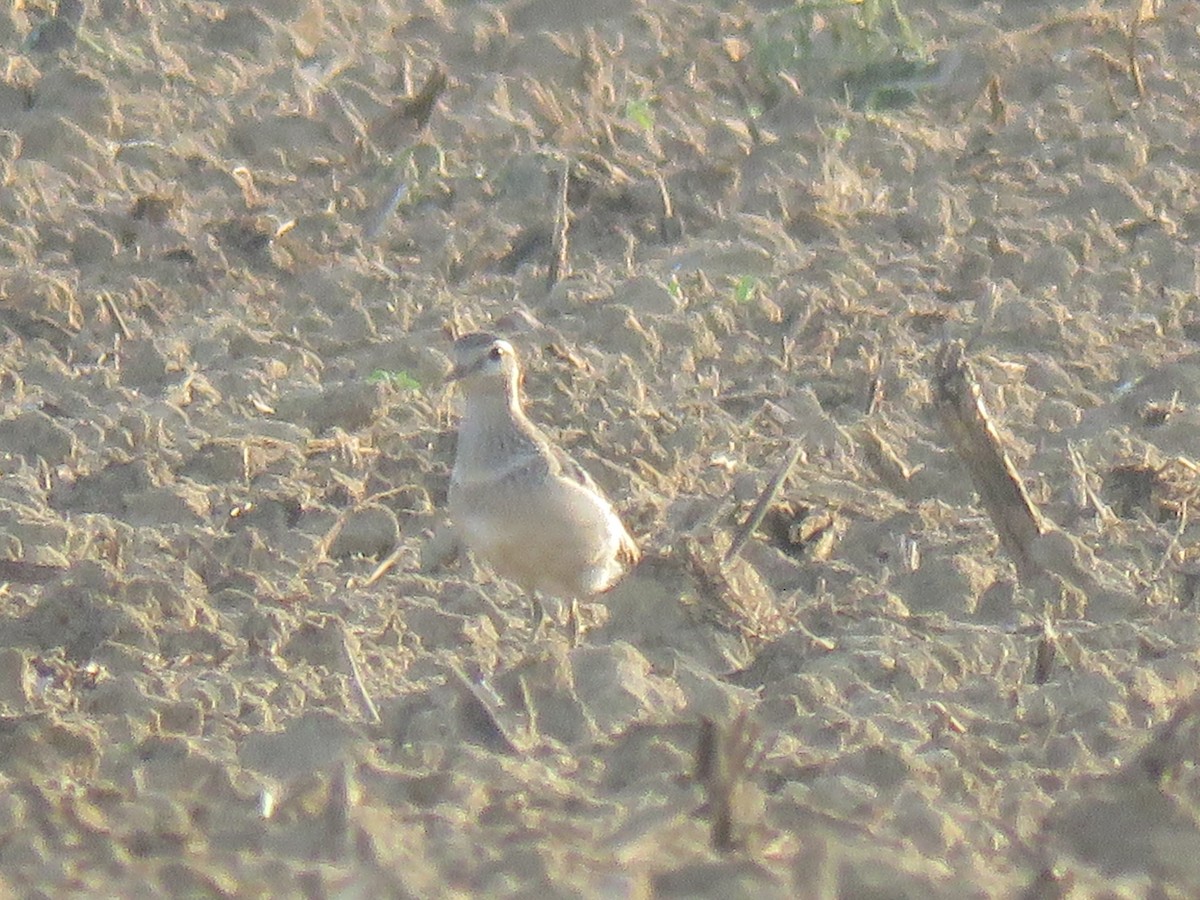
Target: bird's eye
point(495, 353)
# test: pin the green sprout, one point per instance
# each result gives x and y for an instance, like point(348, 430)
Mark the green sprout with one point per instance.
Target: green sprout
point(745, 287)
point(640, 113)
point(400, 380)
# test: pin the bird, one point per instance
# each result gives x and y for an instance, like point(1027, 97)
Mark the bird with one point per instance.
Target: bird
point(520, 503)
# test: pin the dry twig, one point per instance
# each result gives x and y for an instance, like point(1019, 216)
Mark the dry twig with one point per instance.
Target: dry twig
point(360, 689)
point(726, 758)
point(765, 499)
point(562, 223)
point(959, 403)
point(110, 304)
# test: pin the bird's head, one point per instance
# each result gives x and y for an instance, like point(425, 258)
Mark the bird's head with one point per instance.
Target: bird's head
point(483, 362)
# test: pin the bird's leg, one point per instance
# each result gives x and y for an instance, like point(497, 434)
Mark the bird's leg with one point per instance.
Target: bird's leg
point(539, 614)
point(574, 623)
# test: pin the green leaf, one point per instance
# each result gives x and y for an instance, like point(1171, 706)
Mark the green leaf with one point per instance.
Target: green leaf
point(640, 113)
point(674, 288)
point(744, 288)
point(399, 380)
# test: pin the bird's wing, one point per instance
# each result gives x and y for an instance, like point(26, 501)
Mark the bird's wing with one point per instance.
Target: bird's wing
point(562, 463)
point(568, 468)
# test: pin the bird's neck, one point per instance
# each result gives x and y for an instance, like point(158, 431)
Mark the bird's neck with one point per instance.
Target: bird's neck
point(492, 405)
point(493, 427)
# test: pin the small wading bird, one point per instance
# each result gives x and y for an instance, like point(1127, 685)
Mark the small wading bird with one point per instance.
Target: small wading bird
point(520, 504)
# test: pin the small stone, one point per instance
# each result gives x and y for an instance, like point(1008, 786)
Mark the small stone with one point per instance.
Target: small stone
point(370, 530)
